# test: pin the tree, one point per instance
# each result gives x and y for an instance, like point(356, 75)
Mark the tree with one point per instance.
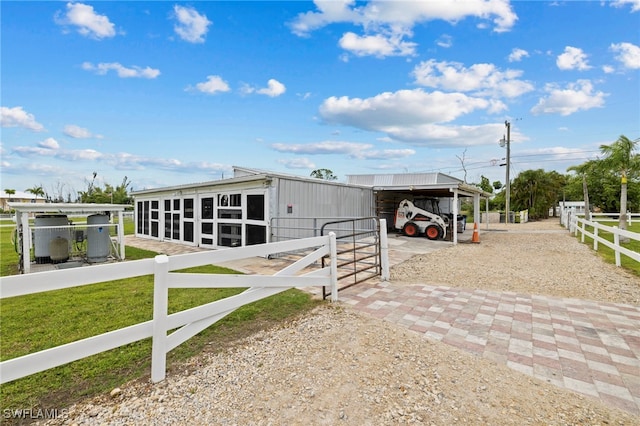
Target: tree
point(108, 194)
point(485, 185)
point(536, 191)
point(36, 190)
point(325, 174)
point(620, 159)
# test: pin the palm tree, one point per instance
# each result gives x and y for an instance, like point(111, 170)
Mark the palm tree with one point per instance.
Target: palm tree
point(620, 159)
point(36, 190)
point(10, 192)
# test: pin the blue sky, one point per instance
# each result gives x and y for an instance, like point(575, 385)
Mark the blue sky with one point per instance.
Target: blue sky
point(169, 93)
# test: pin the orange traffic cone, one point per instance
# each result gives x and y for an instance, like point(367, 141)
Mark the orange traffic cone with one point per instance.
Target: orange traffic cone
point(476, 235)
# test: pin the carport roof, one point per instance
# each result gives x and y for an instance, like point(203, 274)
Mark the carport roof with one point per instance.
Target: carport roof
point(433, 184)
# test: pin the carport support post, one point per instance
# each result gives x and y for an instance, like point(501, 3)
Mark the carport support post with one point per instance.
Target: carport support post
point(454, 237)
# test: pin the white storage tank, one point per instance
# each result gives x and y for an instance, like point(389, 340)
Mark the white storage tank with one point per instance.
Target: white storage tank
point(98, 239)
point(59, 250)
point(44, 234)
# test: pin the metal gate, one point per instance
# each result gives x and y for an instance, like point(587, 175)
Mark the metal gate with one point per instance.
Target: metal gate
point(359, 253)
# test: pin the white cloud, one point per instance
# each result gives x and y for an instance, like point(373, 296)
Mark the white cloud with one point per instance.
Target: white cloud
point(49, 143)
point(481, 79)
point(387, 23)
point(406, 14)
point(635, 4)
point(89, 23)
point(608, 69)
point(122, 71)
point(274, 88)
point(628, 54)
point(17, 117)
point(377, 45)
point(50, 148)
point(297, 163)
point(360, 151)
point(573, 58)
point(445, 41)
point(414, 116)
point(191, 26)
point(214, 84)
point(404, 107)
point(78, 132)
point(321, 148)
point(578, 96)
point(516, 55)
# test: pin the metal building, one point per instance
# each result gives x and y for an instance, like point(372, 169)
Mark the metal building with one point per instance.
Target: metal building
point(252, 207)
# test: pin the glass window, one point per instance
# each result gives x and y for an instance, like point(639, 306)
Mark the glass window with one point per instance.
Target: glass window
point(176, 204)
point(223, 200)
point(140, 216)
point(207, 208)
point(229, 214)
point(235, 200)
point(145, 219)
point(255, 207)
point(188, 231)
point(167, 225)
point(167, 205)
point(229, 234)
point(256, 234)
point(176, 226)
point(188, 207)
point(207, 228)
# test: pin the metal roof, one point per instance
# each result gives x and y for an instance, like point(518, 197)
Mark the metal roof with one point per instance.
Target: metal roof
point(438, 184)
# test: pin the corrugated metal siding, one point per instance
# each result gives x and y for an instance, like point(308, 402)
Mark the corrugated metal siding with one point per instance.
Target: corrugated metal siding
point(314, 204)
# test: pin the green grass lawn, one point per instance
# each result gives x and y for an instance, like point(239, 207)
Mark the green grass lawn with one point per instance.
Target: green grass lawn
point(608, 254)
point(35, 322)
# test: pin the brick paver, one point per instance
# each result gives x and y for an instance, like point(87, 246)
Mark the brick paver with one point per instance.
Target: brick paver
point(585, 346)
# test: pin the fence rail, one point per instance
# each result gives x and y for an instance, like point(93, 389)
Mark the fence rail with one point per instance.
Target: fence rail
point(578, 225)
point(188, 322)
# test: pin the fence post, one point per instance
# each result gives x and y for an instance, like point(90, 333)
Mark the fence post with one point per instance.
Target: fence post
point(333, 247)
point(384, 251)
point(584, 229)
point(616, 242)
point(160, 321)
point(595, 235)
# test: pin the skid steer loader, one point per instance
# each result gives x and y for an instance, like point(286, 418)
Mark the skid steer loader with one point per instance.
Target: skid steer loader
point(414, 221)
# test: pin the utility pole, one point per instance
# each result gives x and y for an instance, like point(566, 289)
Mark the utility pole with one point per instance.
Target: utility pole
point(507, 197)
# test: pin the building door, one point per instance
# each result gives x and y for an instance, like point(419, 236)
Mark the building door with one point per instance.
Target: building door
point(172, 210)
point(207, 221)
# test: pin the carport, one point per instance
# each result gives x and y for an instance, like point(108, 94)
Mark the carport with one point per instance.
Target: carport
point(390, 189)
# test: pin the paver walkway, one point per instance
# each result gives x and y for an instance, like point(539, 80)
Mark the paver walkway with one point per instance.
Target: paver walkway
point(588, 347)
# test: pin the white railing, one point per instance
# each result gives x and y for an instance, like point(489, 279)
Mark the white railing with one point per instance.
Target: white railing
point(188, 322)
point(577, 225)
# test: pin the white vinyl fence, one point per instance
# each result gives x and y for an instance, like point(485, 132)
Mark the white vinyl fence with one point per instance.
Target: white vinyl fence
point(577, 224)
point(186, 323)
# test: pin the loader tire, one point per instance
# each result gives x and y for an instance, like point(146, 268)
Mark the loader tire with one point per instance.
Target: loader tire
point(411, 230)
point(433, 232)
